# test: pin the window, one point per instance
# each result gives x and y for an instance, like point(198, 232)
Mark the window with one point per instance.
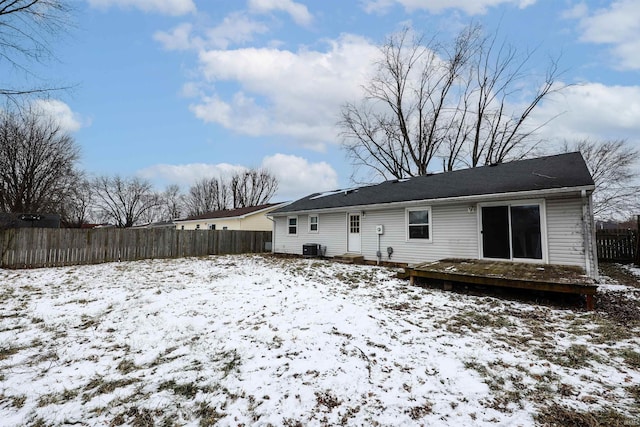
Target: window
point(313, 223)
point(197, 226)
point(419, 224)
point(212, 227)
point(182, 227)
point(292, 222)
point(354, 224)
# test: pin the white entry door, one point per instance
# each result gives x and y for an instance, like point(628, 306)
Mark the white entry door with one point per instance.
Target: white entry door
point(353, 237)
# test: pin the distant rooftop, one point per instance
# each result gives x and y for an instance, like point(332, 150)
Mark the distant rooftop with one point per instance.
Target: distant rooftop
point(230, 213)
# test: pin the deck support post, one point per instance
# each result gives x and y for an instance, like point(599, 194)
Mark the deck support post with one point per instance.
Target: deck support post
point(590, 302)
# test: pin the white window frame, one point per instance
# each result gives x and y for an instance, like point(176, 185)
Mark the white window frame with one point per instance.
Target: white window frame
point(543, 229)
point(317, 223)
point(428, 224)
point(289, 226)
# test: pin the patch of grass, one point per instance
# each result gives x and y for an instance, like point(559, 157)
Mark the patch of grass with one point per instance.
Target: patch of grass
point(558, 415)
point(327, 399)
point(208, 416)
point(6, 352)
point(99, 386)
point(577, 356)
point(417, 412)
point(87, 322)
point(232, 361)
point(634, 391)
point(476, 321)
point(186, 389)
point(618, 273)
point(18, 401)
point(126, 365)
point(136, 417)
point(632, 358)
point(56, 399)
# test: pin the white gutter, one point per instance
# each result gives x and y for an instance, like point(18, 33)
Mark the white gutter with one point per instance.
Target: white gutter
point(472, 198)
point(588, 238)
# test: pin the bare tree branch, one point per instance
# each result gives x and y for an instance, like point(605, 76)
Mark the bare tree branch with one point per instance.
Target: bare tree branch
point(37, 162)
point(27, 28)
point(124, 200)
point(615, 168)
point(462, 102)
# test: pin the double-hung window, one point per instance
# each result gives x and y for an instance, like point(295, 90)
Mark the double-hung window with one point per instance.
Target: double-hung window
point(313, 223)
point(292, 228)
point(419, 224)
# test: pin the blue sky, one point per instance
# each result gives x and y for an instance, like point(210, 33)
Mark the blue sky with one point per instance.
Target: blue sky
point(176, 90)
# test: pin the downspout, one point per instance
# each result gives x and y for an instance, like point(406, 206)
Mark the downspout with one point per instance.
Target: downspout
point(591, 263)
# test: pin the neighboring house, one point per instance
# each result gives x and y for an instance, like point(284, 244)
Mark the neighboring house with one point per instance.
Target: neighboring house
point(537, 210)
point(250, 218)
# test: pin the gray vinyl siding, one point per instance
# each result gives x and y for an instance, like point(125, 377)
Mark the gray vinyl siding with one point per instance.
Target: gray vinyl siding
point(454, 234)
point(332, 233)
point(453, 227)
point(564, 232)
point(453, 231)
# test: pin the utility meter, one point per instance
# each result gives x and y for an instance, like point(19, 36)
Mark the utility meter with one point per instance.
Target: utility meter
point(379, 229)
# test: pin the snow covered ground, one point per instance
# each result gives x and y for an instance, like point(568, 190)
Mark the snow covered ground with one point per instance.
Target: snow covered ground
point(260, 340)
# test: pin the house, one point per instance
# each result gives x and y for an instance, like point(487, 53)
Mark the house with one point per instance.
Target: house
point(536, 211)
point(250, 218)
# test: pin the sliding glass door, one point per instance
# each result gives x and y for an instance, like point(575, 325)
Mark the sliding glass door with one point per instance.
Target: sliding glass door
point(512, 232)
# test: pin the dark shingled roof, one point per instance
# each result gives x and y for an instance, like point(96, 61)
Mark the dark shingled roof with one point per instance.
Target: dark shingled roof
point(229, 213)
point(559, 171)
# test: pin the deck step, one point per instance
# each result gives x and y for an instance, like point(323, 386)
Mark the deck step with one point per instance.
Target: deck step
point(349, 258)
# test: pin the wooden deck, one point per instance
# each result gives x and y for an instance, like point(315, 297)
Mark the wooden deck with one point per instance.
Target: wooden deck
point(535, 277)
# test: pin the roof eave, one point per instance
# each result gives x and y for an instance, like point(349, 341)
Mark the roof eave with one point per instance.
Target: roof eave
point(471, 198)
point(235, 216)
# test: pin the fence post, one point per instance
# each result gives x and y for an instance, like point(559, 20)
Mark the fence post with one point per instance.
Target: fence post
point(638, 240)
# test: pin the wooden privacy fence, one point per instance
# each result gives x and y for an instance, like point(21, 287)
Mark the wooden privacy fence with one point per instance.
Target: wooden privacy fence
point(617, 245)
point(42, 247)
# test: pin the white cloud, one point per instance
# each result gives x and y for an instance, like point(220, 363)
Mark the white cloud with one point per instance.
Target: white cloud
point(167, 7)
point(592, 111)
point(297, 177)
point(298, 12)
point(470, 7)
point(179, 38)
point(186, 175)
point(293, 94)
point(60, 113)
point(617, 26)
point(236, 29)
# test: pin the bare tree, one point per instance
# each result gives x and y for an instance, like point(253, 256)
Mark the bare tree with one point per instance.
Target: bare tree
point(615, 168)
point(252, 188)
point(172, 203)
point(76, 209)
point(124, 201)
point(26, 30)
point(455, 101)
point(207, 195)
point(37, 162)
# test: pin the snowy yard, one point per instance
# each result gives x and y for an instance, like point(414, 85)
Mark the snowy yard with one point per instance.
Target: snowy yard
point(260, 340)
